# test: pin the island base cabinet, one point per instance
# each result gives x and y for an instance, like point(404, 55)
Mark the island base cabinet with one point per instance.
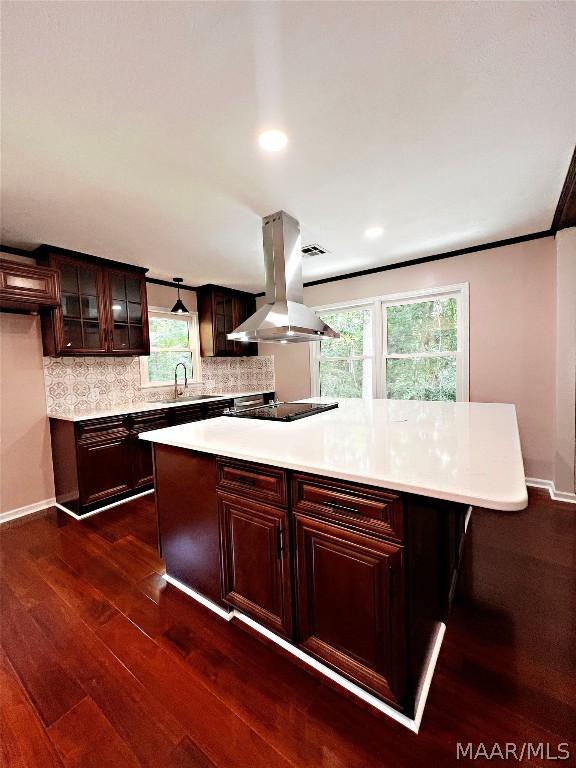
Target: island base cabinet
point(350, 605)
point(256, 561)
point(187, 510)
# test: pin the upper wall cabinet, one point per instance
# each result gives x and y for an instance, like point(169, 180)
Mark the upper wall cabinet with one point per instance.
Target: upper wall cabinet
point(25, 287)
point(103, 308)
point(220, 311)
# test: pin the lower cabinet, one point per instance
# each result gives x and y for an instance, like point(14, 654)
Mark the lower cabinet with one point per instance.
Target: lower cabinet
point(255, 556)
point(142, 465)
point(349, 589)
point(351, 574)
point(104, 465)
point(102, 460)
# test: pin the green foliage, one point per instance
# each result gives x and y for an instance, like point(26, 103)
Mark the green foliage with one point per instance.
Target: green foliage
point(355, 329)
point(425, 378)
point(428, 326)
point(161, 366)
point(345, 378)
point(422, 327)
point(425, 326)
point(168, 333)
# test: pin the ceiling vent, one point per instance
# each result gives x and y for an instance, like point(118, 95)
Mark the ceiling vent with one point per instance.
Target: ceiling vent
point(313, 250)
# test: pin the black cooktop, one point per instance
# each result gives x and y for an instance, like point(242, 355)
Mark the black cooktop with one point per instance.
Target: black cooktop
point(282, 411)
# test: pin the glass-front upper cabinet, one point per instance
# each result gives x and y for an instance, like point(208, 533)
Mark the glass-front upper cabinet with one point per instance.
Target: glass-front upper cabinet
point(128, 306)
point(220, 311)
point(80, 325)
point(103, 308)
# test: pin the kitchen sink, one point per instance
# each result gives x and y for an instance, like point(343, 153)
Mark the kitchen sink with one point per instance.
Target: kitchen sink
point(185, 399)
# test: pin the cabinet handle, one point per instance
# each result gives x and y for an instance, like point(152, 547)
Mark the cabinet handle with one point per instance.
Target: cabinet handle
point(343, 508)
point(247, 480)
point(280, 541)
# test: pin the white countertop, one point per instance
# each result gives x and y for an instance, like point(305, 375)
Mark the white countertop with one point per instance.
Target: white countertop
point(464, 452)
point(141, 407)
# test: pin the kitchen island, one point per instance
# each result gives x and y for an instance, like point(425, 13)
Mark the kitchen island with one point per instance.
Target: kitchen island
point(338, 536)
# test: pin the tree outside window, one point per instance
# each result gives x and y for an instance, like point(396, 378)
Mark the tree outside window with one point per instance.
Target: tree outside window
point(409, 347)
point(173, 340)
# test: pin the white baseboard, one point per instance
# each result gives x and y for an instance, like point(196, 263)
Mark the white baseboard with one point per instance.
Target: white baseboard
point(101, 509)
point(548, 485)
point(12, 514)
point(381, 706)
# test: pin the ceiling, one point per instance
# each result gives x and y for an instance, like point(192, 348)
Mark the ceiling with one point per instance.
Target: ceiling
point(130, 128)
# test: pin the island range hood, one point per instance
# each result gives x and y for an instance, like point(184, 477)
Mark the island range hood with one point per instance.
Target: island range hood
point(284, 318)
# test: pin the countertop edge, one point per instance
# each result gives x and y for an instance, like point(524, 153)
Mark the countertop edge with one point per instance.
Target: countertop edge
point(125, 410)
point(508, 505)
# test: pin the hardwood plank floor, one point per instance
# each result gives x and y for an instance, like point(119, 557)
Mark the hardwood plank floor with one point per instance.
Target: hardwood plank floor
point(104, 664)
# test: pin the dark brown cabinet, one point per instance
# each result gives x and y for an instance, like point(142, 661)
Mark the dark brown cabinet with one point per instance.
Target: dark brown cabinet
point(103, 307)
point(356, 576)
point(220, 311)
point(102, 460)
point(140, 453)
point(349, 598)
point(27, 287)
point(127, 297)
point(104, 464)
point(256, 561)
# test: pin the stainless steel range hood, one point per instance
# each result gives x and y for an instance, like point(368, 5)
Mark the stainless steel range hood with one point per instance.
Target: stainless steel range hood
point(284, 317)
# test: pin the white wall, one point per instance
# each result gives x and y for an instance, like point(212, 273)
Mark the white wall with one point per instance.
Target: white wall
point(564, 464)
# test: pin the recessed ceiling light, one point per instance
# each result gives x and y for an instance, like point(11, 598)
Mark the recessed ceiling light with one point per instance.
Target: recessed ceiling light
point(273, 140)
point(373, 232)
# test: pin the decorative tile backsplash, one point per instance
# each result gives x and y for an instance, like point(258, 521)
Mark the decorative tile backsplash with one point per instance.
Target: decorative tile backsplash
point(86, 384)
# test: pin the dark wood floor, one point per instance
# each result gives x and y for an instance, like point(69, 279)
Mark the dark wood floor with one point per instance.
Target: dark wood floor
point(104, 664)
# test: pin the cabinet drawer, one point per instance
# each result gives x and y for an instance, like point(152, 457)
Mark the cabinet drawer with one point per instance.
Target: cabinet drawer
point(253, 481)
point(217, 408)
point(182, 414)
point(94, 429)
point(27, 284)
point(144, 422)
point(361, 507)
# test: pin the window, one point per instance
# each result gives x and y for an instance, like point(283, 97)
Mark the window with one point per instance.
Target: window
point(173, 340)
point(344, 365)
point(402, 347)
point(421, 348)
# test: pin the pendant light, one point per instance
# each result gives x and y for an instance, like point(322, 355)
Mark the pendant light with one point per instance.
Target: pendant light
point(179, 307)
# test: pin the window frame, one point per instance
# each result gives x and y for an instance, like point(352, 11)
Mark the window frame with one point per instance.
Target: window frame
point(193, 347)
point(315, 356)
point(379, 305)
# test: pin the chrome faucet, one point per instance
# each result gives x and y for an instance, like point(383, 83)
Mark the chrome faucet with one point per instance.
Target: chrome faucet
point(176, 393)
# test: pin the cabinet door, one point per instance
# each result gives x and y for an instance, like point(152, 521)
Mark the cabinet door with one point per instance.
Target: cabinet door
point(104, 466)
point(256, 561)
point(349, 599)
point(141, 450)
point(244, 306)
point(128, 317)
point(79, 321)
point(223, 320)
